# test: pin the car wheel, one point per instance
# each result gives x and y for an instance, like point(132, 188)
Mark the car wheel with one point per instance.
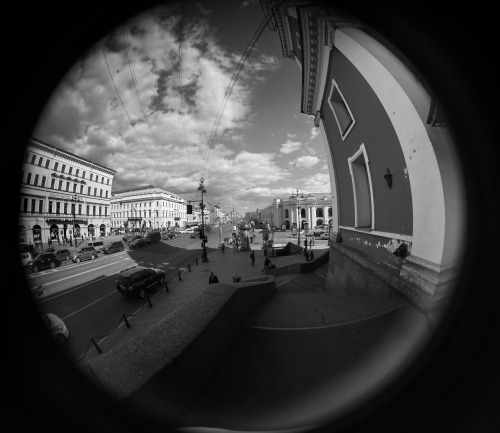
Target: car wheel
point(142, 293)
point(92, 257)
point(78, 260)
point(52, 265)
point(61, 339)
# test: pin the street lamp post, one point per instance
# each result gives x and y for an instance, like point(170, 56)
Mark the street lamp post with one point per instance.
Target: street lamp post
point(201, 188)
point(75, 200)
point(299, 207)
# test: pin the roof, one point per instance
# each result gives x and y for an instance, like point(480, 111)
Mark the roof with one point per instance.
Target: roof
point(145, 191)
point(130, 271)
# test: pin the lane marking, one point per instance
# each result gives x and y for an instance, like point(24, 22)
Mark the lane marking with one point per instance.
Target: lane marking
point(89, 305)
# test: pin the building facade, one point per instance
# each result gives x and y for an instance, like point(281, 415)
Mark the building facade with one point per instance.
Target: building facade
point(147, 207)
point(63, 195)
point(398, 208)
point(306, 211)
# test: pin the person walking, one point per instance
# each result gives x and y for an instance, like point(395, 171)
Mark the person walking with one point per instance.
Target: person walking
point(212, 279)
point(222, 247)
point(252, 257)
point(267, 262)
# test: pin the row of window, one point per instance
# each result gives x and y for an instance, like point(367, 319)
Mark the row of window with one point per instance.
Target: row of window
point(140, 205)
point(63, 168)
point(145, 213)
point(60, 185)
point(57, 207)
point(303, 213)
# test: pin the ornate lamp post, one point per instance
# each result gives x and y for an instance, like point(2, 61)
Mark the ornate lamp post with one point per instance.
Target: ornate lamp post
point(299, 207)
point(201, 188)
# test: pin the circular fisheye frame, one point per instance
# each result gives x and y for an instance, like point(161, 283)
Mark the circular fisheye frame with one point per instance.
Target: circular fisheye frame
point(250, 216)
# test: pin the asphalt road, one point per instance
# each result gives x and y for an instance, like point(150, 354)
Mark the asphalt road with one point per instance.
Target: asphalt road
point(84, 295)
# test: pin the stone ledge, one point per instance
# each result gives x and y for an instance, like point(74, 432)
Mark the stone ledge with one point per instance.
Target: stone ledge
point(164, 371)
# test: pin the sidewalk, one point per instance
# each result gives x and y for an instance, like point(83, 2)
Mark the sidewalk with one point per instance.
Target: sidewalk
point(192, 282)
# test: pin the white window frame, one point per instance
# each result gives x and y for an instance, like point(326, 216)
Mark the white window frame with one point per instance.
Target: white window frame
point(348, 130)
point(351, 160)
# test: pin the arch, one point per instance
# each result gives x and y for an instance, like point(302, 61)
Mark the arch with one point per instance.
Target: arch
point(319, 222)
point(102, 230)
point(54, 232)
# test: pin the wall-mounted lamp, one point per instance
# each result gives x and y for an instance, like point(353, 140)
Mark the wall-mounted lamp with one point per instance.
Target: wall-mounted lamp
point(388, 178)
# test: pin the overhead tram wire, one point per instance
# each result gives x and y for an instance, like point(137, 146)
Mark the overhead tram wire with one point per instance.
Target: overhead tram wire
point(134, 79)
point(126, 112)
point(230, 87)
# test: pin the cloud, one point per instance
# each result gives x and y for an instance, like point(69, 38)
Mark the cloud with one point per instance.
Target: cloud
point(306, 161)
point(319, 182)
point(290, 146)
point(314, 133)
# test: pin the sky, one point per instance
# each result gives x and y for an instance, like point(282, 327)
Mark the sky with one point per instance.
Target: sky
point(148, 101)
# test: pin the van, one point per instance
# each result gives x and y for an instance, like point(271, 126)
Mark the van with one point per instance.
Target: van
point(97, 244)
point(113, 247)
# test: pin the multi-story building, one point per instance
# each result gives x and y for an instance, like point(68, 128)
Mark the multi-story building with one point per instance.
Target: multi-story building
point(63, 195)
point(147, 207)
point(299, 210)
point(398, 207)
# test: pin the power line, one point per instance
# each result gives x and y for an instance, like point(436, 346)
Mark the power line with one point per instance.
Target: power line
point(123, 105)
point(134, 79)
point(230, 87)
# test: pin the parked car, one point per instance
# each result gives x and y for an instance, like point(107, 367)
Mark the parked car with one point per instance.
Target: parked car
point(139, 280)
point(44, 261)
point(153, 237)
point(84, 253)
point(113, 247)
point(63, 254)
point(57, 327)
point(137, 243)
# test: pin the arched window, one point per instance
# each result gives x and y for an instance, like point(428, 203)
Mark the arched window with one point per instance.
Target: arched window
point(329, 211)
point(319, 212)
point(286, 213)
point(302, 213)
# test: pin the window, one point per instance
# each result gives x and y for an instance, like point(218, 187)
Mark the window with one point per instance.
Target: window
point(101, 192)
point(47, 163)
point(107, 182)
point(40, 206)
point(77, 173)
point(50, 206)
point(341, 111)
point(91, 176)
point(25, 205)
point(79, 209)
point(63, 168)
point(67, 186)
point(33, 205)
point(362, 188)
point(319, 212)
point(81, 189)
point(52, 183)
point(107, 193)
point(95, 192)
point(83, 174)
point(44, 179)
point(70, 170)
point(88, 190)
point(286, 213)
point(88, 210)
point(60, 185)
point(40, 161)
point(33, 159)
point(93, 210)
point(28, 180)
point(100, 210)
point(56, 164)
point(36, 180)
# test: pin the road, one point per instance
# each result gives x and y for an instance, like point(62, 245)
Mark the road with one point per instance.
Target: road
point(84, 295)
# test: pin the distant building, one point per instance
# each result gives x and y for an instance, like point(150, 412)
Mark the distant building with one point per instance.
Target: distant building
point(63, 195)
point(147, 207)
point(398, 207)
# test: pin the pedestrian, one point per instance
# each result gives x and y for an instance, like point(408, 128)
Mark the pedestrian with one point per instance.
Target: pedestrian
point(49, 242)
point(267, 262)
point(212, 279)
point(236, 245)
point(311, 242)
point(70, 240)
point(222, 247)
point(252, 257)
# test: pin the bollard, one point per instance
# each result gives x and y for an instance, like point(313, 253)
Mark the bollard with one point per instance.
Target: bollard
point(149, 302)
point(196, 261)
point(126, 321)
point(179, 274)
point(189, 267)
point(96, 345)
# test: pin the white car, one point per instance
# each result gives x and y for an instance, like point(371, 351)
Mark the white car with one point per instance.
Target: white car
point(186, 231)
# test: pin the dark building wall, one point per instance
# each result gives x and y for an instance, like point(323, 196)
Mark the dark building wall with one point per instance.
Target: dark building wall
point(393, 207)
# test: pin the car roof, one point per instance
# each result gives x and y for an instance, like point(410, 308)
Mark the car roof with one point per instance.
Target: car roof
point(131, 271)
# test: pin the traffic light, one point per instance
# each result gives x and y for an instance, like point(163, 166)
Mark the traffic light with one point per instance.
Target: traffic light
point(189, 209)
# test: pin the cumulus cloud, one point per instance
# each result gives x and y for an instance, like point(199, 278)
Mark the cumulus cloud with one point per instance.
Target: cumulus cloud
point(290, 146)
point(305, 161)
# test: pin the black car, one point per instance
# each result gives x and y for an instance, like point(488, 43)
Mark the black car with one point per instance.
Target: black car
point(44, 261)
point(138, 280)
